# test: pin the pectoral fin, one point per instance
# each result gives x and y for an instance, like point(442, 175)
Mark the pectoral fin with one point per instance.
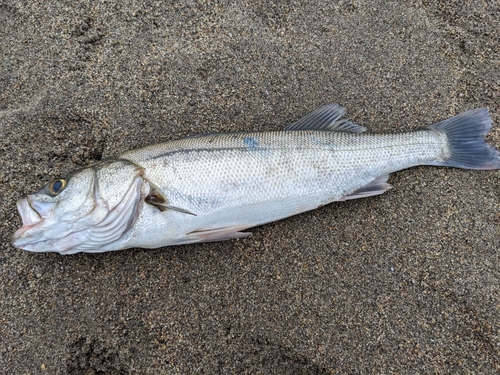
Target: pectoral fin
point(218, 234)
point(158, 199)
point(164, 207)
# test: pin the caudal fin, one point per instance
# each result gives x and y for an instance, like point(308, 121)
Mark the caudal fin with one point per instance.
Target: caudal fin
point(465, 134)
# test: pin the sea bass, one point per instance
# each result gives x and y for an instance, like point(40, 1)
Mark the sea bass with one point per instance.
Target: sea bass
point(212, 187)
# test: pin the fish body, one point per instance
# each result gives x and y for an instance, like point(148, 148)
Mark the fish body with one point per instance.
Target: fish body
point(212, 187)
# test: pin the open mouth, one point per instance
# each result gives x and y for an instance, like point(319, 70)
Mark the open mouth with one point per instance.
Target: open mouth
point(29, 216)
point(32, 214)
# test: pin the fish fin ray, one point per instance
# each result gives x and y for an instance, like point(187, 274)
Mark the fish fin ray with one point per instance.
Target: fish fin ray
point(177, 209)
point(219, 234)
point(376, 187)
point(326, 118)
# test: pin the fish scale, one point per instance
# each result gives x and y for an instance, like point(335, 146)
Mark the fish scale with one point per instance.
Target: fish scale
point(288, 163)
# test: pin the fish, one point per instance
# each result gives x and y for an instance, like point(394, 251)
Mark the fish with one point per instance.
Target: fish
point(213, 187)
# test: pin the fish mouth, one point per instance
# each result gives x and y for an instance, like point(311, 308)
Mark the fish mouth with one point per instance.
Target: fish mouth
point(30, 217)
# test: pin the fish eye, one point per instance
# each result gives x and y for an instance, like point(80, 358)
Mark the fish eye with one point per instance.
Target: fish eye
point(56, 186)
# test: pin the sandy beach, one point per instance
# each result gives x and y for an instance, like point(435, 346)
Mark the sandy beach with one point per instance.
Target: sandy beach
point(403, 283)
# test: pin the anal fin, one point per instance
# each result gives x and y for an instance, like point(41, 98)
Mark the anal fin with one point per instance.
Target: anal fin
point(376, 187)
point(218, 234)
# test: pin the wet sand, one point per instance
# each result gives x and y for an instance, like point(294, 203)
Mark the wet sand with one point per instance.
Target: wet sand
point(406, 282)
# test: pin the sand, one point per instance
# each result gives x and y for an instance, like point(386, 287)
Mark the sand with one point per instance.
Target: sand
point(406, 282)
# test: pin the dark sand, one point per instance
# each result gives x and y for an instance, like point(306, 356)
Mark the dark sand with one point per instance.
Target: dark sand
point(407, 282)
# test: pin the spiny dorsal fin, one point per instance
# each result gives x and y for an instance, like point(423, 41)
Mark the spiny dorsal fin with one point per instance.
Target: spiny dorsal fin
point(326, 118)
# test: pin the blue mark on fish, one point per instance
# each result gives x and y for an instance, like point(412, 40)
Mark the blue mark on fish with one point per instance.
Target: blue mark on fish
point(250, 142)
point(321, 142)
point(256, 149)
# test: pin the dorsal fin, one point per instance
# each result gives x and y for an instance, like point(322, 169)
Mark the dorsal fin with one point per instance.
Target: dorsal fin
point(326, 118)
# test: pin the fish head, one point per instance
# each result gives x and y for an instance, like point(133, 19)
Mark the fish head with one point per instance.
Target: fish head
point(85, 211)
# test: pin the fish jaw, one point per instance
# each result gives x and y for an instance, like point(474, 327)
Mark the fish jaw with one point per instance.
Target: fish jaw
point(34, 222)
point(31, 217)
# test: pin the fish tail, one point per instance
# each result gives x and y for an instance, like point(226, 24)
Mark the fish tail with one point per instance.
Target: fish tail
point(466, 145)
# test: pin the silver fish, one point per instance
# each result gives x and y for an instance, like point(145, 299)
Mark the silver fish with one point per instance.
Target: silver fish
point(212, 187)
